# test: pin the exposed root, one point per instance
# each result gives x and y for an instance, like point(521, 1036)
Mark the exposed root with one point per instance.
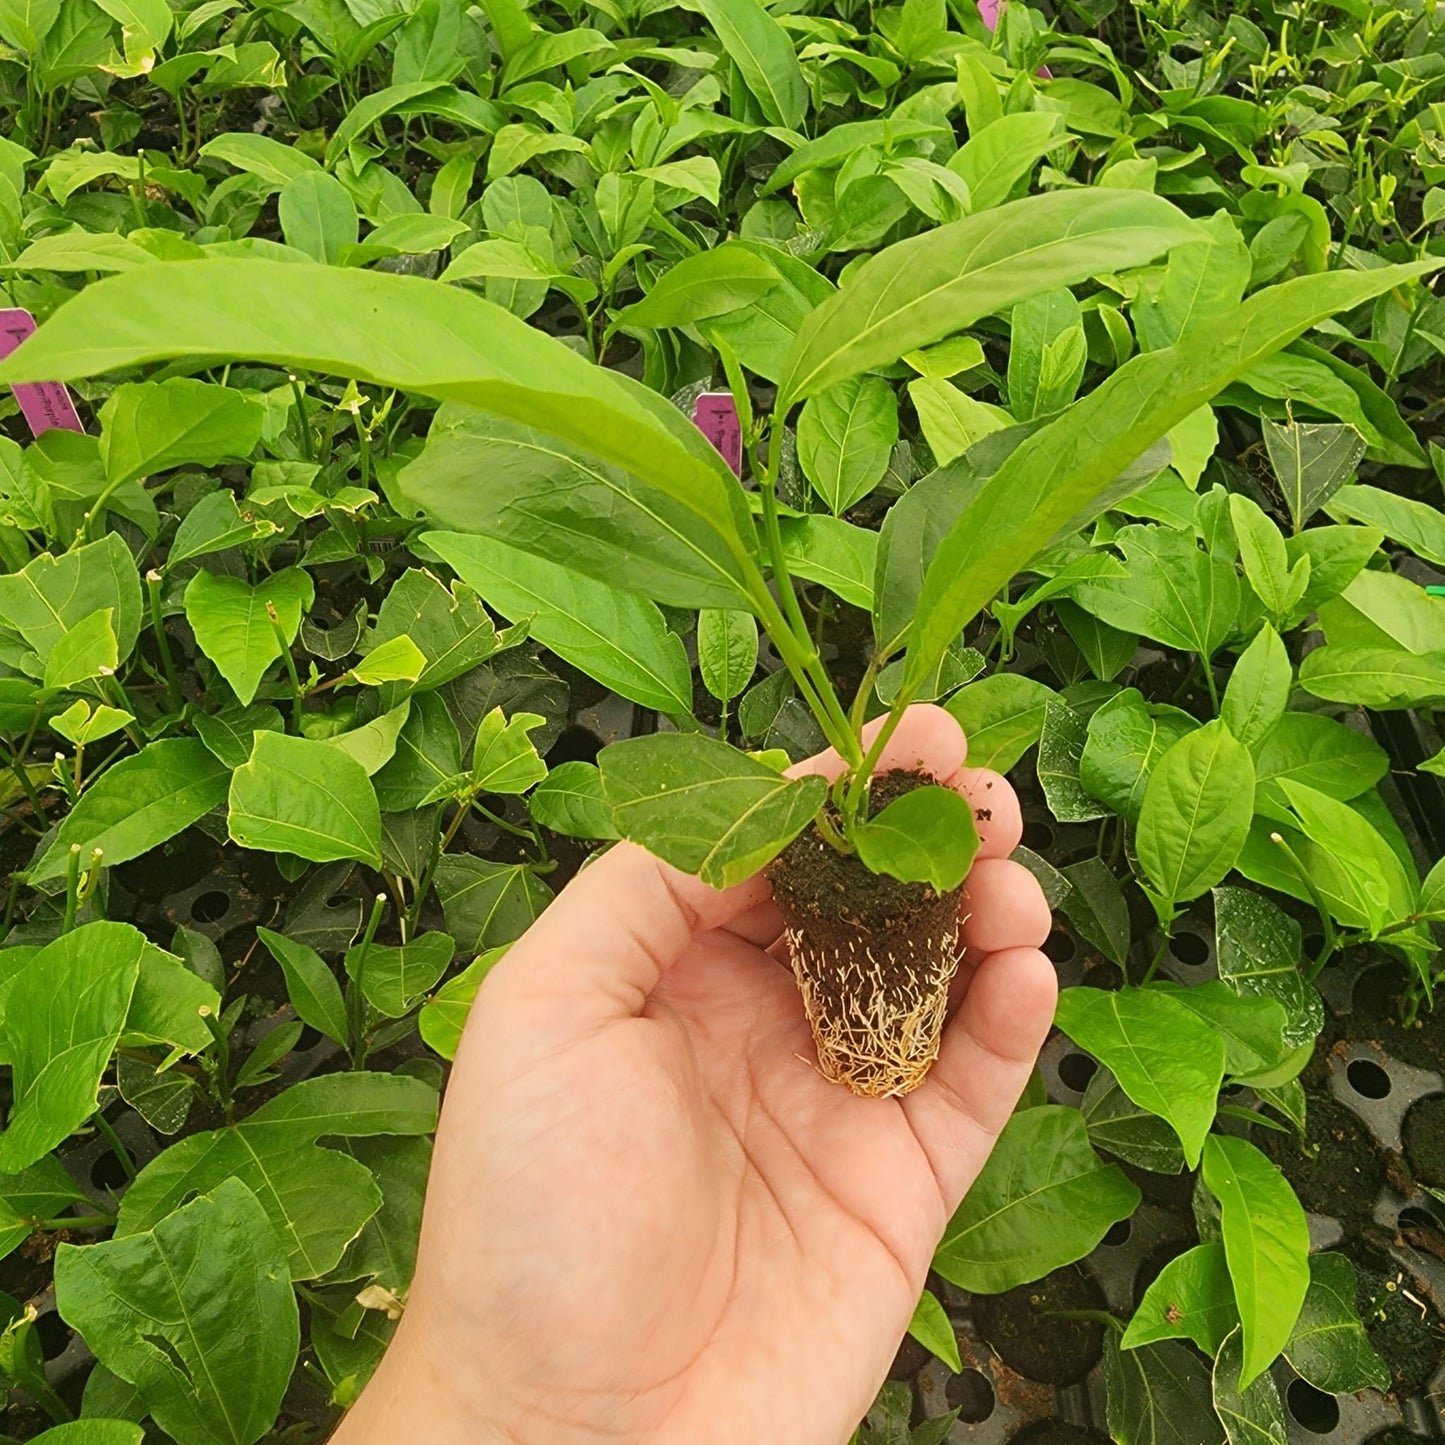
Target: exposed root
point(876, 1008)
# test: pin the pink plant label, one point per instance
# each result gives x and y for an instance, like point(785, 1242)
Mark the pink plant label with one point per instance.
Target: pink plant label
point(46, 405)
point(989, 12)
point(715, 414)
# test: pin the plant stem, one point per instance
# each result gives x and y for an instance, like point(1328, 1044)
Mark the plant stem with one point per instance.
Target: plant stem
point(1327, 923)
point(355, 998)
point(81, 1221)
point(297, 693)
point(117, 1145)
point(1208, 669)
point(72, 888)
point(163, 642)
point(221, 1071)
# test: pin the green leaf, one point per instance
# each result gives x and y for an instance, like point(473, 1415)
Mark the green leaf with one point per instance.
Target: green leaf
point(1266, 1241)
point(349, 322)
point(428, 754)
point(727, 651)
point(317, 216)
point(303, 797)
point(393, 979)
point(92, 1431)
point(49, 595)
point(1061, 750)
point(488, 904)
point(1164, 1056)
point(1329, 1346)
point(398, 659)
point(1202, 281)
point(1266, 560)
point(992, 162)
point(63, 1015)
point(444, 1016)
point(931, 286)
point(1053, 480)
point(570, 800)
point(458, 632)
point(500, 479)
point(42, 1191)
point(270, 160)
point(151, 426)
point(503, 757)
point(212, 525)
point(1375, 677)
point(1044, 1199)
point(318, 1199)
point(1253, 1414)
point(87, 650)
point(846, 436)
point(702, 806)
point(1259, 688)
point(834, 553)
point(138, 804)
point(707, 283)
point(926, 836)
point(1311, 461)
point(1002, 717)
point(232, 622)
point(1096, 906)
point(620, 640)
point(1047, 354)
point(1126, 739)
point(1196, 813)
point(1191, 1299)
point(310, 984)
point(1117, 1124)
point(198, 1314)
point(763, 53)
point(1158, 1394)
point(1416, 525)
point(1324, 754)
point(933, 1329)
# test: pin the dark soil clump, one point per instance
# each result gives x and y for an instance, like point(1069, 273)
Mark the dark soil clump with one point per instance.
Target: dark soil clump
point(1021, 1325)
point(1346, 1173)
point(873, 956)
point(1423, 1135)
point(1408, 1332)
point(1376, 1004)
point(1057, 1432)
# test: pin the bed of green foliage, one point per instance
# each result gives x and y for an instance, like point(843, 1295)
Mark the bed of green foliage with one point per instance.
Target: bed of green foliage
point(295, 597)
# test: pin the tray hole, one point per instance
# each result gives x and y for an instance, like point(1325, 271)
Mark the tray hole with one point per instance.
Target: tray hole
point(53, 1333)
point(971, 1395)
point(1038, 836)
point(1060, 946)
point(308, 1038)
point(1414, 1217)
point(1075, 1071)
point(1318, 1412)
point(1368, 1079)
point(108, 1172)
point(1118, 1234)
point(211, 906)
point(1190, 949)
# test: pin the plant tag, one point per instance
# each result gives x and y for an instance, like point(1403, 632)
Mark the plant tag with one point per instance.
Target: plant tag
point(715, 415)
point(988, 11)
point(46, 405)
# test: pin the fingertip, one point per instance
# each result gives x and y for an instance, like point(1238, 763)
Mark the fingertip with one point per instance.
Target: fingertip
point(1003, 907)
point(928, 738)
point(996, 810)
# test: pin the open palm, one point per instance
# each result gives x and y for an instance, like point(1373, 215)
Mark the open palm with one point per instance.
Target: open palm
point(650, 1218)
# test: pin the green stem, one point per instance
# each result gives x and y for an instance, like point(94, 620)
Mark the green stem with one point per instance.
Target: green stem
point(81, 1221)
point(355, 998)
point(221, 1070)
point(163, 642)
point(1327, 923)
point(297, 692)
point(307, 441)
point(117, 1145)
point(1209, 682)
point(72, 888)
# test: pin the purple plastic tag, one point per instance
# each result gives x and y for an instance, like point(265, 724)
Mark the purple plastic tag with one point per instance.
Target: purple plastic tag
point(715, 414)
point(46, 405)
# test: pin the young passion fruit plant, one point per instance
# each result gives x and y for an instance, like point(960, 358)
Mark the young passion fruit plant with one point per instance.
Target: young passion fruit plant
point(540, 454)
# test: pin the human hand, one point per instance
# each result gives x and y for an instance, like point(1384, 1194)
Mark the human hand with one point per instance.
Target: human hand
point(649, 1218)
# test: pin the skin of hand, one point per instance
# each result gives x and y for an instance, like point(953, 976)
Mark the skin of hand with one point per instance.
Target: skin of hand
point(649, 1219)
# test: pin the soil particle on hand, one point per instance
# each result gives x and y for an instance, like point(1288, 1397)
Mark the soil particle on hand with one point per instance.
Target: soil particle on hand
point(1023, 1327)
point(1344, 1177)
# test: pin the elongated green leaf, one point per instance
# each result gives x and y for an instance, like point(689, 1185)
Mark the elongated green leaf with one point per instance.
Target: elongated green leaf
point(138, 804)
point(570, 800)
point(503, 480)
point(763, 54)
point(1164, 1056)
point(1260, 949)
point(1158, 1394)
point(932, 1328)
point(92, 1431)
point(1266, 1241)
point(1196, 813)
point(198, 1314)
point(400, 331)
point(615, 637)
point(1126, 739)
point(310, 984)
point(1258, 690)
point(1044, 1199)
point(926, 836)
point(1253, 1414)
point(702, 806)
point(1002, 717)
point(1052, 481)
point(87, 650)
point(923, 289)
point(63, 1015)
point(1377, 677)
point(707, 283)
point(303, 797)
point(845, 438)
point(317, 1198)
point(232, 622)
point(727, 651)
point(1192, 1299)
point(444, 1016)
